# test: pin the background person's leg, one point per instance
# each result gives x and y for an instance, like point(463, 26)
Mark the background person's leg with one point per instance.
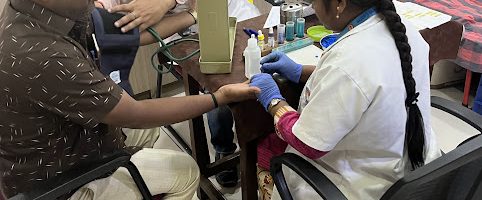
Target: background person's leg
point(220, 123)
point(168, 172)
point(478, 99)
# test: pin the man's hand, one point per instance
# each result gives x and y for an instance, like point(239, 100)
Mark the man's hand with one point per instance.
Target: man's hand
point(236, 92)
point(142, 13)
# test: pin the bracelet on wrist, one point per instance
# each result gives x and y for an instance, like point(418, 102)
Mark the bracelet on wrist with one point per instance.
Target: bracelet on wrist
point(215, 101)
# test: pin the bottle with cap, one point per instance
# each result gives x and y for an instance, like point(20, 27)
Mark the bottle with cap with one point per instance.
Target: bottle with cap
point(260, 40)
point(281, 33)
point(271, 40)
point(252, 58)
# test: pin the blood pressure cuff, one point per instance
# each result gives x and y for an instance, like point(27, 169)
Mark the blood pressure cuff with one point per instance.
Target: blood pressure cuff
point(117, 50)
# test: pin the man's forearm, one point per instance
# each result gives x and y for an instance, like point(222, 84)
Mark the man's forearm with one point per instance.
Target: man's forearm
point(306, 73)
point(168, 26)
point(159, 112)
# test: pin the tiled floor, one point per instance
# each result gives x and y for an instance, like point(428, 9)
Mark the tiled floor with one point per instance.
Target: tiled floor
point(449, 130)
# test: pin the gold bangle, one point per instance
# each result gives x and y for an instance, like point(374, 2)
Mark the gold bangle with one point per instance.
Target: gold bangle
point(281, 111)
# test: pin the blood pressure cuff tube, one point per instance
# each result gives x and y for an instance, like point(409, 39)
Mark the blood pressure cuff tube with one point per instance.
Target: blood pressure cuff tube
point(117, 50)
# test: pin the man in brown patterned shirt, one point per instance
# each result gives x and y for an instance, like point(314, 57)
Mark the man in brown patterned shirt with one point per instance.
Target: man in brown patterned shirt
point(55, 107)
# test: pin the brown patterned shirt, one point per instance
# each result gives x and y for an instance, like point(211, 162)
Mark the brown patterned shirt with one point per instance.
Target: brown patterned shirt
point(52, 98)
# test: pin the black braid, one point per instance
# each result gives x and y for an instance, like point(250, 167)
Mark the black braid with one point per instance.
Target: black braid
point(414, 132)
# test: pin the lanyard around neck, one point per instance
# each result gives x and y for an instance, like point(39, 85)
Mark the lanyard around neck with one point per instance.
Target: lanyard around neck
point(358, 20)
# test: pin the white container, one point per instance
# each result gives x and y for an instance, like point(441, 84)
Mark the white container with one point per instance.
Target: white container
point(252, 58)
point(271, 40)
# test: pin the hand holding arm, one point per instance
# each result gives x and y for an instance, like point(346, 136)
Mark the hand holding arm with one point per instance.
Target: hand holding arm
point(130, 113)
point(142, 13)
point(269, 89)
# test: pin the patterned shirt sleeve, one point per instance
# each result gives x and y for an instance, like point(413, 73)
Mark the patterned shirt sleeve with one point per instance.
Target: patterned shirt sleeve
point(72, 87)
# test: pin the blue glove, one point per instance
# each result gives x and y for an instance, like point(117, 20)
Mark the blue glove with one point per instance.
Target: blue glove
point(280, 63)
point(269, 89)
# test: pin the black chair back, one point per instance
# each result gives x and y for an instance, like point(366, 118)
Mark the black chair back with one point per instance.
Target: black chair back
point(456, 175)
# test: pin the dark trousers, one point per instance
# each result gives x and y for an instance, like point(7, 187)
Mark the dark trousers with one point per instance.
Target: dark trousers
point(220, 122)
point(478, 99)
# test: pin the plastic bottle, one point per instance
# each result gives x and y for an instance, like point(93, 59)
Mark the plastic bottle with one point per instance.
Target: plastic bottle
point(260, 40)
point(281, 33)
point(271, 37)
point(300, 27)
point(252, 58)
point(290, 31)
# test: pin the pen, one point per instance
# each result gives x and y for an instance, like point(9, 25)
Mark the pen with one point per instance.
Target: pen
point(250, 32)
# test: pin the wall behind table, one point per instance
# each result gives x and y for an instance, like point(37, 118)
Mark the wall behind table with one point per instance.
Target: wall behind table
point(143, 76)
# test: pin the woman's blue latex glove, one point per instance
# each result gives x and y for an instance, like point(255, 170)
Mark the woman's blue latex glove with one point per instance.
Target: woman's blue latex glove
point(269, 89)
point(280, 63)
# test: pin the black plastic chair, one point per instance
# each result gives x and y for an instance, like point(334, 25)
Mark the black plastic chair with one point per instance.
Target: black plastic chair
point(71, 180)
point(455, 175)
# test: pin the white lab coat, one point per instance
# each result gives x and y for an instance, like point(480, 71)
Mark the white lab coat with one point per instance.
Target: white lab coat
point(353, 107)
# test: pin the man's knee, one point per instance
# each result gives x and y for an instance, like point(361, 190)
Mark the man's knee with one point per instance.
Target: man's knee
point(190, 169)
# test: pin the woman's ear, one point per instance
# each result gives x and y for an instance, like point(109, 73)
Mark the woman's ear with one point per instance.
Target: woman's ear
point(342, 4)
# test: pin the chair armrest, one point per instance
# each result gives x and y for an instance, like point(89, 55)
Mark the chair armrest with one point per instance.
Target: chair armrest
point(322, 185)
point(73, 179)
point(457, 110)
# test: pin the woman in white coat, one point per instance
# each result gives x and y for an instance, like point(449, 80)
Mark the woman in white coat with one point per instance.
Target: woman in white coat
point(364, 113)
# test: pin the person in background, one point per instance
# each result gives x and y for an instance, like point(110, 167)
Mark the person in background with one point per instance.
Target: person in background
point(220, 120)
point(59, 112)
point(364, 114)
point(478, 99)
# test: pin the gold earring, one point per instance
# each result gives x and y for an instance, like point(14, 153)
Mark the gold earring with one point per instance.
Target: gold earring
point(338, 12)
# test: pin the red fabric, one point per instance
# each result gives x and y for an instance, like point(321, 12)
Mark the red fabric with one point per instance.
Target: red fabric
point(285, 125)
point(268, 148)
point(469, 13)
point(272, 145)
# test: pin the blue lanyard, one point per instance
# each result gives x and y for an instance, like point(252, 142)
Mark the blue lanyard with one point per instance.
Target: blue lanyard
point(358, 20)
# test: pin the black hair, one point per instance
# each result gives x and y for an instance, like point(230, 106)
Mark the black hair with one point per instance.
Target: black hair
point(414, 131)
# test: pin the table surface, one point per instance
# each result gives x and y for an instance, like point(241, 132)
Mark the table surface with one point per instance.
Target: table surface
point(252, 128)
point(213, 82)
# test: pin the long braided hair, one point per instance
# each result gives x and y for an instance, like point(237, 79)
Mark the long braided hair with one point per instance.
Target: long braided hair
point(414, 131)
